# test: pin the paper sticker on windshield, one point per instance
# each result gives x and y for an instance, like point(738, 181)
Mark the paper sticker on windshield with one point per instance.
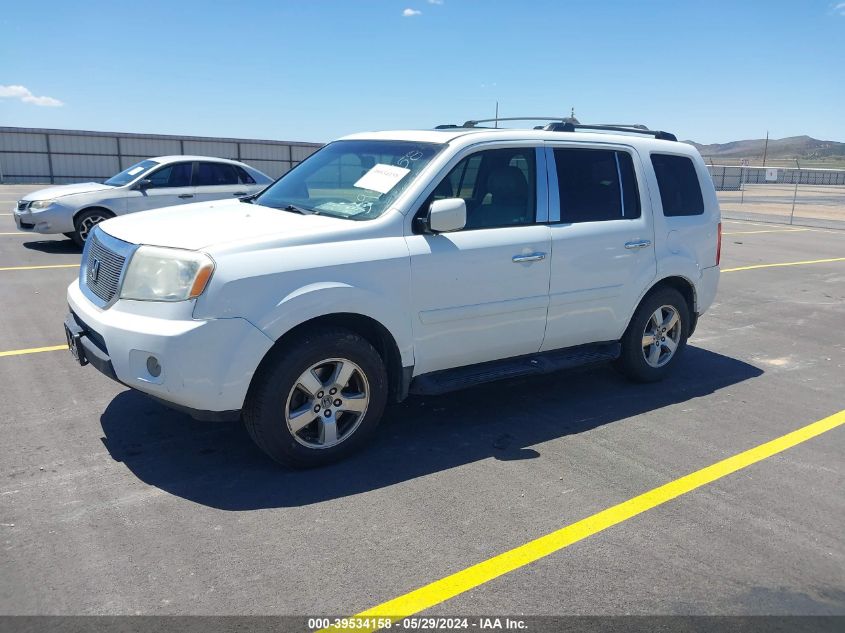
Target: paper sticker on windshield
point(135, 170)
point(382, 178)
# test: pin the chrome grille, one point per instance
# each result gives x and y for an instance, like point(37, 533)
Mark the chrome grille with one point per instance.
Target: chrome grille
point(103, 269)
point(23, 205)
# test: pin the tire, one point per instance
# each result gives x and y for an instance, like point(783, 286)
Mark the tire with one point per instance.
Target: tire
point(642, 361)
point(285, 409)
point(85, 221)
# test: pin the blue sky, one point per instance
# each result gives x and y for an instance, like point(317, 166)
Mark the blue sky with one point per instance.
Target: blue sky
point(311, 71)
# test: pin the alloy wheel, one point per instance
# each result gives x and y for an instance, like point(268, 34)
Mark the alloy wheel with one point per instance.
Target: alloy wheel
point(661, 336)
point(327, 403)
point(88, 223)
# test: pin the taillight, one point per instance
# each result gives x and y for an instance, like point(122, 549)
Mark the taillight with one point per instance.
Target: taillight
point(719, 245)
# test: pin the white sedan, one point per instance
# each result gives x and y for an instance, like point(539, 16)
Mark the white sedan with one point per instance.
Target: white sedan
point(156, 182)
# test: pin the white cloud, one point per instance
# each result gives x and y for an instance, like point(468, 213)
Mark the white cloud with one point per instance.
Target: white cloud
point(441, 2)
point(410, 13)
point(24, 94)
point(839, 8)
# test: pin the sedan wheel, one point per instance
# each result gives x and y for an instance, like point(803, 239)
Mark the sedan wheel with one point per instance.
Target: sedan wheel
point(88, 223)
point(85, 223)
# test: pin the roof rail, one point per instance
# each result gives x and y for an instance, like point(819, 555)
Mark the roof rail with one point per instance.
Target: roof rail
point(630, 129)
point(566, 124)
point(475, 122)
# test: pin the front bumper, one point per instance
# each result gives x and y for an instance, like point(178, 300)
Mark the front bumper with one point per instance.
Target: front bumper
point(56, 218)
point(205, 365)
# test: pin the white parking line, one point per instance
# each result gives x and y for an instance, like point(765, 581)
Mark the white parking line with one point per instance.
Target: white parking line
point(766, 231)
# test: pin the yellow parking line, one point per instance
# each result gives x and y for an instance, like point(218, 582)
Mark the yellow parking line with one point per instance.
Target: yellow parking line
point(766, 231)
point(485, 571)
point(40, 267)
point(811, 261)
point(32, 350)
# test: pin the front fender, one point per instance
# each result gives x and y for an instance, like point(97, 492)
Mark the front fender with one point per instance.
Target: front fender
point(333, 297)
point(114, 203)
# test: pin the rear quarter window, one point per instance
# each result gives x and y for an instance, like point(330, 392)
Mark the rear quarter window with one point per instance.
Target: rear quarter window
point(246, 179)
point(680, 191)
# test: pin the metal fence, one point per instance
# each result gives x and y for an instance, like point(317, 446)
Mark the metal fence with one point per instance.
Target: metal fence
point(778, 191)
point(33, 155)
point(788, 194)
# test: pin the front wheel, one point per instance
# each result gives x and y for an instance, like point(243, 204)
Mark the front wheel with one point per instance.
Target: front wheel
point(656, 336)
point(317, 400)
point(85, 222)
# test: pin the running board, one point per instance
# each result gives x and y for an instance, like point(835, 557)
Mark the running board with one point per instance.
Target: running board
point(439, 382)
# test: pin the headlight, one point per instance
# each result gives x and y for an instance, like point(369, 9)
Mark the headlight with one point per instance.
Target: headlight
point(37, 205)
point(166, 274)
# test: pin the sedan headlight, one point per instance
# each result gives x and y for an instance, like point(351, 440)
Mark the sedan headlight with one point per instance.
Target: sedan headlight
point(166, 274)
point(37, 205)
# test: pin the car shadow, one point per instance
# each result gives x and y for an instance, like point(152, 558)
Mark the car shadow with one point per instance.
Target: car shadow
point(217, 465)
point(58, 247)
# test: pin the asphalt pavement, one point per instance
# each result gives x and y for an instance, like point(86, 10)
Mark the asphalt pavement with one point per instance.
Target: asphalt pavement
point(112, 504)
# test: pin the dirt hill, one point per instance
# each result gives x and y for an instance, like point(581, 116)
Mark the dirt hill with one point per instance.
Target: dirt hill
point(800, 147)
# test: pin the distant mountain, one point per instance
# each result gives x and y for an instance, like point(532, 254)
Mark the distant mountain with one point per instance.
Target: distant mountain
point(801, 147)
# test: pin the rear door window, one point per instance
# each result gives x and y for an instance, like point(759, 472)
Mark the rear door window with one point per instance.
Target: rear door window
point(215, 174)
point(680, 191)
point(596, 185)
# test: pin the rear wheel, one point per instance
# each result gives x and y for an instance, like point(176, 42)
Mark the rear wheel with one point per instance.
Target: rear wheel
point(656, 336)
point(317, 400)
point(85, 222)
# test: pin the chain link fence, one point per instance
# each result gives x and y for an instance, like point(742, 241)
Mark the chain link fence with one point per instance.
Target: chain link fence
point(790, 194)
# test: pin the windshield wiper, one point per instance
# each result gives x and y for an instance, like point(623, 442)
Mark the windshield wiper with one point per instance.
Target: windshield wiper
point(248, 198)
point(295, 209)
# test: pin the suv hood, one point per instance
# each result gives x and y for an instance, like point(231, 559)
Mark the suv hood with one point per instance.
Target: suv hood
point(204, 224)
point(66, 190)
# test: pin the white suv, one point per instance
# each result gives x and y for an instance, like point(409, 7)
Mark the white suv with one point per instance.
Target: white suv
point(397, 262)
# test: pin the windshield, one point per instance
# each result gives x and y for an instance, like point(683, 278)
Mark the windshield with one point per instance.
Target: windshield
point(131, 173)
point(358, 180)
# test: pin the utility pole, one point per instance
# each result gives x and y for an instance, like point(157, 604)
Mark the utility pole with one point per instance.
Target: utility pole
point(496, 122)
point(766, 148)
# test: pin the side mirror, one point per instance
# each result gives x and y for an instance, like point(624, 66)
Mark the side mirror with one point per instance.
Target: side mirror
point(447, 215)
point(143, 184)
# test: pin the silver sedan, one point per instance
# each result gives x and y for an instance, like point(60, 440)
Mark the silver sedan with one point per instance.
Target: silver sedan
point(156, 182)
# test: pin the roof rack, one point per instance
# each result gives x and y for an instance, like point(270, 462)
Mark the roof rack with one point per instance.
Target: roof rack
point(474, 123)
point(630, 129)
point(566, 124)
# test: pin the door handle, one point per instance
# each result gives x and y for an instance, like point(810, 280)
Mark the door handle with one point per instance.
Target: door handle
point(638, 244)
point(186, 195)
point(239, 193)
point(531, 257)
